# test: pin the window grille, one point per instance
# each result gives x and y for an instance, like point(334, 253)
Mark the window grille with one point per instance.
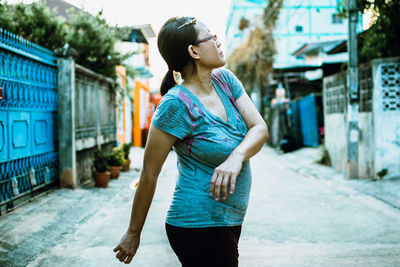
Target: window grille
point(390, 84)
point(336, 19)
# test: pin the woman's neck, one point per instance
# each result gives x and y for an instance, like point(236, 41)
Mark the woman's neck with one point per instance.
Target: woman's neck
point(199, 82)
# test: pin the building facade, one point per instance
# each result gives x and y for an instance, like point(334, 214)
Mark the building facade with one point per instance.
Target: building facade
point(133, 107)
point(300, 22)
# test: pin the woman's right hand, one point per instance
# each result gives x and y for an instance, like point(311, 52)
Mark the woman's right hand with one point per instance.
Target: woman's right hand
point(127, 247)
point(158, 146)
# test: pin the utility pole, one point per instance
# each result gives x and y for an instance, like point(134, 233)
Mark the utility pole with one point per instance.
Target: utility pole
point(353, 94)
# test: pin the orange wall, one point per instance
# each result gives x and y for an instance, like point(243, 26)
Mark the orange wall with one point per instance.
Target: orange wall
point(140, 101)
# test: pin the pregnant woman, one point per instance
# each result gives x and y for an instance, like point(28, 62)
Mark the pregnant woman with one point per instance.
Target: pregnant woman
point(214, 128)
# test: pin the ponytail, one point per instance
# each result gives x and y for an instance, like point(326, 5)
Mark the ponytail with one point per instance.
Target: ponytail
point(173, 41)
point(168, 82)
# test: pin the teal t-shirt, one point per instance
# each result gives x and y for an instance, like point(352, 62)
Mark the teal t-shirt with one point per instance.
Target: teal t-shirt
point(204, 142)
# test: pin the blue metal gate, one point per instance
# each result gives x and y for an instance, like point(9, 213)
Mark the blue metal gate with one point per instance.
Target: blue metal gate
point(28, 109)
point(308, 119)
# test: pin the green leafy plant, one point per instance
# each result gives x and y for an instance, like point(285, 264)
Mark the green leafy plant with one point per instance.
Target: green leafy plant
point(100, 161)
point(35, 22)
point(117, 157)
point(126, 148)
point(94, 40)
point(325, 158)
point(382, 173)
point(6, 16)
point(382, 39)
point(90, 36)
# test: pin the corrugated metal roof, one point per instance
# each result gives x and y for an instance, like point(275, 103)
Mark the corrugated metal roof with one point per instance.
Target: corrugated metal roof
point(342, 46)
point(309, 48)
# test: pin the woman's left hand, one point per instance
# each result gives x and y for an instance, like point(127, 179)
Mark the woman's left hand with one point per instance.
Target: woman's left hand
point(225, 174)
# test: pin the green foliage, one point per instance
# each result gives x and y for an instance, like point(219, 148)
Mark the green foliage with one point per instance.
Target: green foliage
point(382, 173)
point(126, 148)
point(117, 157)
point(94, 40)
point(123, 33)
point(6, 18)
point(34, 22)
point(325, 158)
point(382, 39)
point(90, 35)
point(100, 161)
point(131, 71)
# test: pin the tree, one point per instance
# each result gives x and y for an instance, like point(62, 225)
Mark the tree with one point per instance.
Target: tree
point(90, 35)
point(35, 23)
point(94, 40)
point(382, 39)
point(5, 15)
point(253, 60)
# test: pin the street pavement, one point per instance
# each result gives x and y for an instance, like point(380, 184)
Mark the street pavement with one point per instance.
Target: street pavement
point(300, 214)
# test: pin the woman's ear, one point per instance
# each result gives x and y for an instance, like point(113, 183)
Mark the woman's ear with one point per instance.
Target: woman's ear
point(193, 52)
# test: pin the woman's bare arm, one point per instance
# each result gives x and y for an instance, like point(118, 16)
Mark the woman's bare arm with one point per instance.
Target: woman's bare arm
point(258, 130)
point(257, 135)
point(158, 145)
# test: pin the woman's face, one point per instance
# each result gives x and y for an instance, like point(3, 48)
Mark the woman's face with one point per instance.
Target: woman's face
point(209, 48)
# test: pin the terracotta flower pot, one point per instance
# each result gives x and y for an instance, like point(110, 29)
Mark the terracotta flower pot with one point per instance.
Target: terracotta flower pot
point(101, 178)
point(115, 171)
point(126, 165)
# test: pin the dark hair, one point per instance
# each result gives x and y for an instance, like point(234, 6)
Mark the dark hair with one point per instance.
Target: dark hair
point(173, 42)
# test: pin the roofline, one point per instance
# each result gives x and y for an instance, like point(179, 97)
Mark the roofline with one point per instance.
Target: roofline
point(342, 47)
point(322, 43)
point(300, 49)
point(147, 30)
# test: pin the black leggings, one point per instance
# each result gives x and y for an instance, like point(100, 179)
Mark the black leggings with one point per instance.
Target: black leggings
point(205, 247)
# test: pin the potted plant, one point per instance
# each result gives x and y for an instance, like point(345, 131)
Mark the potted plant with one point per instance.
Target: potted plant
point(126, 148)
point(115, 162)
point(100, 172)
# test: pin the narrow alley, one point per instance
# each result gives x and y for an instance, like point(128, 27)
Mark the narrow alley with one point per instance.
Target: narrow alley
point(83, 82)
point(294, 219)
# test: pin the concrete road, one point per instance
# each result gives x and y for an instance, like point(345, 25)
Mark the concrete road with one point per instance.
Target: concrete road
point(297, 216)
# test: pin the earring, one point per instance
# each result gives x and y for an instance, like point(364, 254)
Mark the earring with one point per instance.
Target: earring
point(177, 76)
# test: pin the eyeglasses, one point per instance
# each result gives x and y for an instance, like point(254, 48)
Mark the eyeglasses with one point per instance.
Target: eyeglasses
point(207, 39)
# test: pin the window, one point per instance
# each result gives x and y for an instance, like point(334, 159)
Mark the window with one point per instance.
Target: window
point(336, 19)
point(299, 28)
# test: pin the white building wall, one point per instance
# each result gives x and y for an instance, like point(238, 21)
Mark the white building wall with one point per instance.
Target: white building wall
point(313, 16)
point(336, 140)
point(239, 9)
point(366, 146)
point(378, 120)
point(386, 114)
point(334, 98)
point(128, 119)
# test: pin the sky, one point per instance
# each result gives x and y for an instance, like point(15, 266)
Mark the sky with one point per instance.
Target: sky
point(213, 13)
point(155, 12)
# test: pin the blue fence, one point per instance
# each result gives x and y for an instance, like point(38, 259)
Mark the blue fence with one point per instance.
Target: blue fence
point(28, 112)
